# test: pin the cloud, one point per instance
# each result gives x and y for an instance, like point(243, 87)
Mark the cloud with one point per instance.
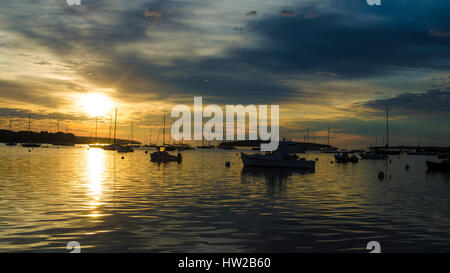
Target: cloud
point(21, 113)
point(434, 102)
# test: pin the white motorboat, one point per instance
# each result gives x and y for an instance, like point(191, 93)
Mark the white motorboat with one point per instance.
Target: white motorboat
point(277, 160)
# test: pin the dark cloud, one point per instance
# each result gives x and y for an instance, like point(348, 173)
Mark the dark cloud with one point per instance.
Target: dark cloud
point(21, 113)
point(433, 102)
point(357, 42)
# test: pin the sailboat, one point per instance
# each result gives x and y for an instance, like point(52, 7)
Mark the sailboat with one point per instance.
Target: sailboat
point(131, 140)
point(384, 150)
point(162, 156)
point(96, 145)
point(167, 147)
point(127, 148)
point(114, 146)
point(150, 145)
point(11, 136)
point(30, 144)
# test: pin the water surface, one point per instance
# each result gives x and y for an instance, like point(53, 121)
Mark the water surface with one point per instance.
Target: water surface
point(51, 196)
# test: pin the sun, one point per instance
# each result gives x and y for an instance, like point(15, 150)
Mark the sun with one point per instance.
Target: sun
point(96, 104)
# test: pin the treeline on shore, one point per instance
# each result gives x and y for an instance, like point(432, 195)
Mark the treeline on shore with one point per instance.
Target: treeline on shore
point(52, 138)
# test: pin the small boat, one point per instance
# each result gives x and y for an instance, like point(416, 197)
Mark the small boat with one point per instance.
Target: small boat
point(206, 147)
point(31, 145)
point(125, 149)
point(162, 156)
point(374, 156)
point(344, 157)
point(277, 160)
point(111, 147)
point(443, 166)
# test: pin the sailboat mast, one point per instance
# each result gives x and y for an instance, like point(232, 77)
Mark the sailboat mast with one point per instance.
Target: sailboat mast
point(115, 127)
point(110, 128)
point(96, 120)
point(10, 131)
point(164, 131)
point(131, 140)
point(29, 128)
point(328, 136)
point(150, 137)
point(387, 126)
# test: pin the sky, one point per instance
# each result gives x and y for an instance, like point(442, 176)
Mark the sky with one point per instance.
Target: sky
point(327, 63)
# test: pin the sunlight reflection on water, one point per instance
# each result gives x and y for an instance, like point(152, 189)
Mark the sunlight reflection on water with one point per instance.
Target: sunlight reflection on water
point(52, 196)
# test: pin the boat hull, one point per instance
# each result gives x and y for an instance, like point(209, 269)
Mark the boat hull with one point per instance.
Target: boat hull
point(255, 161)
point(438, 166)
point(31, 145)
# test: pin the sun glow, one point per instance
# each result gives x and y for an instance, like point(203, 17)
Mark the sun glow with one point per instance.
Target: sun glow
point(96, 104)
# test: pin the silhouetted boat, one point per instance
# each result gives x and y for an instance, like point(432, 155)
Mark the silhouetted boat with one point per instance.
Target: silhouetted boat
point(162, 156)
point(374, 156)
point(30, 144)
point(276, 160)
point(183, 147)
point(344, 157)
point(11, 143)
point(443, 166)
point(206, 147)
point(114, 146)
point(125, 149)
point(111, 147)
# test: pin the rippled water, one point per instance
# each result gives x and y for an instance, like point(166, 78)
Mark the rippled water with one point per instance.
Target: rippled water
point(50, 196)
